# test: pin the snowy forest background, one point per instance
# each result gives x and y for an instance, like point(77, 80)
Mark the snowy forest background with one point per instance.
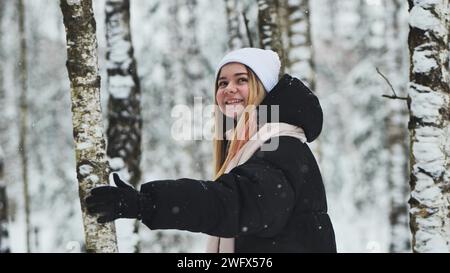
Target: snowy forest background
point(177, 45)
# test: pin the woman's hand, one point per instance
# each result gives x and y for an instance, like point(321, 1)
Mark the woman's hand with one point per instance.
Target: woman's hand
point(111, 202)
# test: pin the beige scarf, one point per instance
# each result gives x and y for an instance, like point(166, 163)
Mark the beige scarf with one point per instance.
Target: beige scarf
point(269, 130)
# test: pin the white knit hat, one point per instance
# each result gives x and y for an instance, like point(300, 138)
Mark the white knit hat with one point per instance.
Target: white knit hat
point(264, 62)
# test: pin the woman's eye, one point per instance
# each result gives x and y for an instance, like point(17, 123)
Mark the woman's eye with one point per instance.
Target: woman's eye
point(242, 80)
point(222, 84)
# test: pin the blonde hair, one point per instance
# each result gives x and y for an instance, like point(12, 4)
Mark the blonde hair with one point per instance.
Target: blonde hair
point(256, 94)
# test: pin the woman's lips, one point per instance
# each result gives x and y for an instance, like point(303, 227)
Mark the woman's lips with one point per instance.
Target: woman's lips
point(233, 101)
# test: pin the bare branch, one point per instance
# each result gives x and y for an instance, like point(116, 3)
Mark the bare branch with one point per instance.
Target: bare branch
point(392, 88)
point(394, 97)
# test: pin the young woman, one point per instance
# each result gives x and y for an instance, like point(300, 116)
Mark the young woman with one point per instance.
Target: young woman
point(268, 194)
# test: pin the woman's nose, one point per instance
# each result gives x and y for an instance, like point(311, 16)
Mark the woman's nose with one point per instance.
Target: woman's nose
point(231, 88)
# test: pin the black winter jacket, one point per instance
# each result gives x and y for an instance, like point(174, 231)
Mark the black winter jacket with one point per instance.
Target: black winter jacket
point(275, 202)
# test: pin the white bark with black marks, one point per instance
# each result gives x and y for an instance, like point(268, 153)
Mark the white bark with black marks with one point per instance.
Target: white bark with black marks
point(299, 47)
point(269, 23)
point(429, 106)
point(4, 231)
point(2, 56)
point(234, 24)
point(82, 66)
point(124, 107)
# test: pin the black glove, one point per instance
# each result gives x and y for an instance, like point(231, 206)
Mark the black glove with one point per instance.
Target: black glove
point(114, 202)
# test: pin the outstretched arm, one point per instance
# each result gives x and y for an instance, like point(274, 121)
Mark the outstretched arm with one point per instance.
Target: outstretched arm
point(254, 198)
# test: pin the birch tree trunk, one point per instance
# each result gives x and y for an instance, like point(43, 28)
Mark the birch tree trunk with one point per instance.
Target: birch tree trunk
point(2, 57)
point(4, 233)
point(397, 132)
point(24, 120)
point(299, 47)
point(429, 124)
point(124, 109)
point(82, 67)
point(269, 23)
point(234, 29)
point(183, 65)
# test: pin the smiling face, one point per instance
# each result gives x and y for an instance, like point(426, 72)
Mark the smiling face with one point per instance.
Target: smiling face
point(232, 89)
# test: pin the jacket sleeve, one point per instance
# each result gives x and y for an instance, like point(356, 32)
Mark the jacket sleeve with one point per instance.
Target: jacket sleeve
point(254, 198)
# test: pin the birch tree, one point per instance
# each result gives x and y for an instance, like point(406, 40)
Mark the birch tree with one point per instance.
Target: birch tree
point(429, 124)
point(234, 26)
point(4, 232)
point(298, 46)
point(2, 56)
point(24, 120)
point(269, 22)
point(91, 164)
point(183, 64)
point(124, 109)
